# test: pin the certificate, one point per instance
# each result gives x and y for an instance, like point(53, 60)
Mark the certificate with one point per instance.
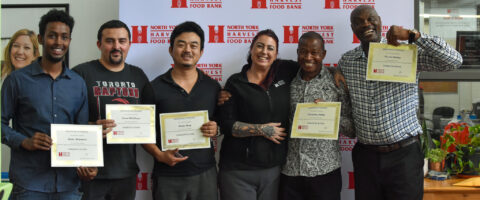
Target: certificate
point(135, 124)
point(76, 145)
point(392, 63)
point(316, 120)
point(182, 130)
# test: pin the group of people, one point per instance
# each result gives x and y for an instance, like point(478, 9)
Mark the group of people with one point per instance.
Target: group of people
point(254, 111)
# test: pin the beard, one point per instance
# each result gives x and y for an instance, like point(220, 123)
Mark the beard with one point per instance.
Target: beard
point(54, 59)
point(116, 62)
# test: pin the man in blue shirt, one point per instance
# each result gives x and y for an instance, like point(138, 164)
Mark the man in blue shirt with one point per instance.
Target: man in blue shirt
point(43, 93)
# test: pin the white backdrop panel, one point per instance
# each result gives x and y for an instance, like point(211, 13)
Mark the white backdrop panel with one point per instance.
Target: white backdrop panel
point(229, 26)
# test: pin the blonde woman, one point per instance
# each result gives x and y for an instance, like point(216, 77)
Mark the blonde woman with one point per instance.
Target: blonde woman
point(21, 50)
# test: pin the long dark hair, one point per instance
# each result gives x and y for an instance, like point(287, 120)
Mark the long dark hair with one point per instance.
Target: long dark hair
point(267, 32)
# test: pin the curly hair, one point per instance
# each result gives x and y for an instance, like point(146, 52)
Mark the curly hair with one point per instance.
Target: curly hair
point(55, 15)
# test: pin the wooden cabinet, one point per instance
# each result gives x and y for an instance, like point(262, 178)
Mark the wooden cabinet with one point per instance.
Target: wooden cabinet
point(444, 190)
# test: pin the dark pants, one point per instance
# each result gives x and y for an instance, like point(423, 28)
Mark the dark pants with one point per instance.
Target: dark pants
point(260, 184)
point(395, 175)
point(110, 189)
point(197, 187)
point(324, 187)
point(20, 193)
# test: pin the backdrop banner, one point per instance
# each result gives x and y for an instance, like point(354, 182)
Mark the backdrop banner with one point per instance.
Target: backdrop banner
point(229, 27)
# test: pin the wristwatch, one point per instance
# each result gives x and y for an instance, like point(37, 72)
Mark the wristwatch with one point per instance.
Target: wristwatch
point(412, 33)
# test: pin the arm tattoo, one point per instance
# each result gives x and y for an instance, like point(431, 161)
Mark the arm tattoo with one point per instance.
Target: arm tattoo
point(241, 129)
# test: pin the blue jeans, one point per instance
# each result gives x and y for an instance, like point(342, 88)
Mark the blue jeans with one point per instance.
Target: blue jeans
point(20, 193)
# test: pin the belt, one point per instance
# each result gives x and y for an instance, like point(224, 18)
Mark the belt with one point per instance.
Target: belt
point(391, 147)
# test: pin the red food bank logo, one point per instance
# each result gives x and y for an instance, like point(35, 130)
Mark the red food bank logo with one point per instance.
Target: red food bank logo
point(292, 33)
point(160, 34)
point(346, 144)
point(154, 34)
point(143, 181)
point(196, 3)
point(235, 34)
point(214, 70)
point(139, 34)
point(347, 4)
point(277, 4)
point(216, 34)
point(327, 32)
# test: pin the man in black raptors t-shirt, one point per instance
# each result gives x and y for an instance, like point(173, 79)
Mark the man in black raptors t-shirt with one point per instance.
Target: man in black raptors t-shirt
point(110, 80)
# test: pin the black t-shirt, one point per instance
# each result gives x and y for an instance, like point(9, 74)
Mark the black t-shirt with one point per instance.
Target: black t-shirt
point(129, 86)
point(170, 97)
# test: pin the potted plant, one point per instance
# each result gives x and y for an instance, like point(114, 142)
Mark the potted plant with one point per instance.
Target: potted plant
point(468, 153)
point(465, 148)
point(436, 157)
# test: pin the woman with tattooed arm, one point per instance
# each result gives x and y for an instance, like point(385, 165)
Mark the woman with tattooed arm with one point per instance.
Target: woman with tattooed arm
point(255, 122)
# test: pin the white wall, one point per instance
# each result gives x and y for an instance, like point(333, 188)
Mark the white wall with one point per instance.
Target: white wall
point(88, 16)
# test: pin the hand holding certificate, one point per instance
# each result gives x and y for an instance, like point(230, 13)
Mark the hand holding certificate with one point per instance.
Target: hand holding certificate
point(392, 63)
point(76, 145)
point(316, 120)
point(182, 130)
point(135, 124)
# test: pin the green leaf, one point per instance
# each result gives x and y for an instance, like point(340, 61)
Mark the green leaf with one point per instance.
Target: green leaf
point(436, 142)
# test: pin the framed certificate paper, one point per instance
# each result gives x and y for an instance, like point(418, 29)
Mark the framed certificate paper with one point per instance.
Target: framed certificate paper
point(316, 120)
point(76, 145)
point(135, 124)
point(182, 130)
point(392, 63)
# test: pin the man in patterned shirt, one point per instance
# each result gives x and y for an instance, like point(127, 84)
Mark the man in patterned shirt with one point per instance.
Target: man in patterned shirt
point(312, 170)
point(387, 158)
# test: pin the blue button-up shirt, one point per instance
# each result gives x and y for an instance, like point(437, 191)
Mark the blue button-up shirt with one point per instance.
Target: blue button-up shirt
point(385, 112)
point(33, 100)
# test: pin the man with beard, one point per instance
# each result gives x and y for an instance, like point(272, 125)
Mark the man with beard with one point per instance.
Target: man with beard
point(387, 158)
point(185, 174)
point(43, 93)
point(112, 81)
